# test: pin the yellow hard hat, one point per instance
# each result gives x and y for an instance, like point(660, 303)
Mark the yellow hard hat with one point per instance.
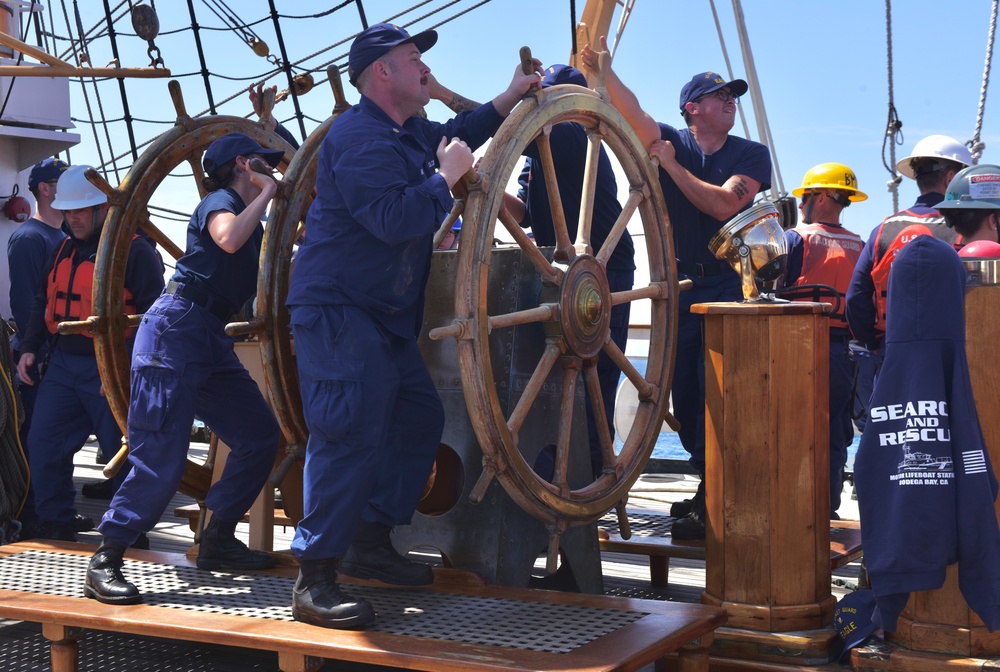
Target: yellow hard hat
point(831, 176)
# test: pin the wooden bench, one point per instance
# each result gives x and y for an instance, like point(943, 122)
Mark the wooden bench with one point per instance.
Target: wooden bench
point(455, 625)
point(651, 537)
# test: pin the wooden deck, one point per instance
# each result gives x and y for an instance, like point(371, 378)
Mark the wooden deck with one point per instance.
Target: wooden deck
point(23, 647)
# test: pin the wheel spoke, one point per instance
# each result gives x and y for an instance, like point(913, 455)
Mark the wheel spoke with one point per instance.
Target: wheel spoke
point(611, 242)
point(457, 208)
point(600, 414)
point(553, 349)
point(161, 239)
point(550, 274)
point(571, 372)
point(654, 290)
point(199, 174)
point(588, 192)
point(619, 358)
point(543, 313)
point(564, 247)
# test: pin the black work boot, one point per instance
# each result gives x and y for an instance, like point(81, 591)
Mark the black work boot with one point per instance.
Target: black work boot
point(318, 600)
point(81, 523)
point(100, 490)
point(686, 506)
point(371, 556)
point(220, 549)
point(692, 526)
point(60, 531)
point(104, 581)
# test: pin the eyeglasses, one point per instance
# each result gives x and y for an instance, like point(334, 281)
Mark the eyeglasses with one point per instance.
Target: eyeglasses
point(724, 95)
point(810, 194)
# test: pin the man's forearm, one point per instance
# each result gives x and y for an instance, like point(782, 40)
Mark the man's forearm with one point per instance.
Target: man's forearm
point(459, 103)
point(720, 203)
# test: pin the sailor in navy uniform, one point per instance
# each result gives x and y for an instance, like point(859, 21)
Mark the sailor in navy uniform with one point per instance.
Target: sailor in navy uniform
point(356, 299)
point(184, 365)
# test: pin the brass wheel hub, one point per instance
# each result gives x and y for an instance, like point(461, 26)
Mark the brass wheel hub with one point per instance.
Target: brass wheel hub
point(585, 306)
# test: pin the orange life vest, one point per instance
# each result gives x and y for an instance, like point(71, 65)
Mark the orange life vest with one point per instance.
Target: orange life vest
point(828, 258)
point(894, 232)
point(70, 292)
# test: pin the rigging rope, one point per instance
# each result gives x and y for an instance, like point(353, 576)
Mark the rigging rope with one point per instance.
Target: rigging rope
point(20, 57)
point(729, 66)
point(86, 96)
point(756, 96)
point(893, 128)
point(15, 477)
point(121, 84)
point(214, 105)
point(975, 145)
point(622, 20)
point(572, 27)
point(288, 69)
point(201, 57)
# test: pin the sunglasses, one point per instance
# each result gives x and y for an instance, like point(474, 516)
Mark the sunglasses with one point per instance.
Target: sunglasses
point(724, 95)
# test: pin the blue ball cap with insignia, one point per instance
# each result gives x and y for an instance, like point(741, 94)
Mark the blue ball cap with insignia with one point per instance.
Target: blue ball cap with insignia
point(46, 170)
point(707, 82)
point(563, 74)
point(852, 620)
point(228, 147)
point(377, 40)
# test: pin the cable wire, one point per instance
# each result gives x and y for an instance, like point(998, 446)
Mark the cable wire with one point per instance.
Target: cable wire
point(975, 145)
point(893, 127)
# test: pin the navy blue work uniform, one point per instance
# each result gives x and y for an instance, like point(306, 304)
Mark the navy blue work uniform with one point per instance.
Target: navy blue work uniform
point(183, 366)
point(29, 248)
point(69, 406)
point(357, 297)
point(568, 142)
point(714, 280)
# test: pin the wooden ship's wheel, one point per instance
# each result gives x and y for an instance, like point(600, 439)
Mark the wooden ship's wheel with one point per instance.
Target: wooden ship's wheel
point(285, 225)
point(185, 142)
point(574, 311)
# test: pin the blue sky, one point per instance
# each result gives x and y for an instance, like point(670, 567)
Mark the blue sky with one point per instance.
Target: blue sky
point(825, 100)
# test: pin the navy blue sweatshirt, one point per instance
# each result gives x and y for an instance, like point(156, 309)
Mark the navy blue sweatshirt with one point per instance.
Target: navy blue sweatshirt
point(925, 482)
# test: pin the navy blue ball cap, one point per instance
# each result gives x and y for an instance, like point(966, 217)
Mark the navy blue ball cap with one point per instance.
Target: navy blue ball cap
point(563, 74)
point(46, 170)
point(377, 40)
point(707, 82)
point(852, 620)
point(228, 147)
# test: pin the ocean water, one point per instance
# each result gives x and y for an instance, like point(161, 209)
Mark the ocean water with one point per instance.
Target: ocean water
point(668, 447)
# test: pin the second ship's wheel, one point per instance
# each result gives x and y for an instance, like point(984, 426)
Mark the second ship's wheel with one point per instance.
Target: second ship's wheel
point(185, 142)
point(573, 310)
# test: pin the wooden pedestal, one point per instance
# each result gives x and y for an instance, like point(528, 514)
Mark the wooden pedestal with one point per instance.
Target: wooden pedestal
point(767, 464)
point(940, 620)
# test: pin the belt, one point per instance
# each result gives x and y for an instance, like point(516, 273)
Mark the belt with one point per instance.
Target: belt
point(218, 308)
point(702, 270)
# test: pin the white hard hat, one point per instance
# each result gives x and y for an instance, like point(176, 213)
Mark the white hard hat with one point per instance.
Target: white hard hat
point(75, 191)
point(935, 147)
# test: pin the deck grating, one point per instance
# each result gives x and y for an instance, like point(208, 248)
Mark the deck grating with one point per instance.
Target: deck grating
point(533, 626)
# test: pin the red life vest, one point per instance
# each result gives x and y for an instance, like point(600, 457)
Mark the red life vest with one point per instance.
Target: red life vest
point(894, 232)
point(70, 292)
point(828, 258)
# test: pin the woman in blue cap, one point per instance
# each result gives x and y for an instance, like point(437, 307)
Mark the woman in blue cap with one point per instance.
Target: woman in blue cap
point(184, 365)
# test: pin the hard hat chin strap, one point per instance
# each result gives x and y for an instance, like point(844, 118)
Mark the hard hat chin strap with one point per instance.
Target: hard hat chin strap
point(97, 221)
